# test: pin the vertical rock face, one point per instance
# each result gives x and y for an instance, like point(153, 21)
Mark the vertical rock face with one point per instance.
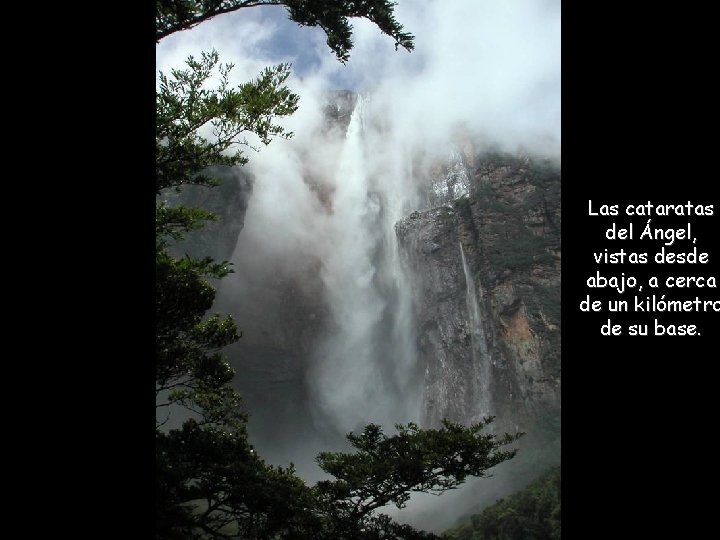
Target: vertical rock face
point(487, 279)
point(228, 201)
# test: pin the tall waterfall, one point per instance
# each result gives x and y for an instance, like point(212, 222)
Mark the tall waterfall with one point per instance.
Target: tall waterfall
point(365, 364)
point(480, 351)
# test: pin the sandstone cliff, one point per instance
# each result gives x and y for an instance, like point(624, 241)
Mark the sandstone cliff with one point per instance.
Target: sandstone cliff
point(486, 268)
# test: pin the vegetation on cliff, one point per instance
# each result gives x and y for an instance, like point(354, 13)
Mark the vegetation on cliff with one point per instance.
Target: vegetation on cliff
point(530, 514)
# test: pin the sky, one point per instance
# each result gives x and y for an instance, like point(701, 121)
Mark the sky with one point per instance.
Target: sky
point(492, 65)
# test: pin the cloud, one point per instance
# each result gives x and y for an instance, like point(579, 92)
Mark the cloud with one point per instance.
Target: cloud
point(494, 66)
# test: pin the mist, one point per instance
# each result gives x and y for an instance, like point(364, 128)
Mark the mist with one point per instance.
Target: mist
point(318, 274)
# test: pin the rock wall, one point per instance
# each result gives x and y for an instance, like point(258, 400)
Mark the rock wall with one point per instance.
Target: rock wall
point(503, 360)
point(228, 201)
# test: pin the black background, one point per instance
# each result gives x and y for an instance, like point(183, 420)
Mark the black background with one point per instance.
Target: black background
point(639, 116)
point(639, 412)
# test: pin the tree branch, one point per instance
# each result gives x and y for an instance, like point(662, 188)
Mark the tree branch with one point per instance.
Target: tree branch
point(194, 21)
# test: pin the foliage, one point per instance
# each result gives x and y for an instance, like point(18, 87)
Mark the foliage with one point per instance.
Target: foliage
point(234, 494)
point(185, 105)
point(208, 460)
point(530, 514)
point(189, 369)
point(386, 470)
point(330, 15)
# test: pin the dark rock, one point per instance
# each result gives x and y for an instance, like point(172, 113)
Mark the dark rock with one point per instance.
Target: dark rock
point(507, 227)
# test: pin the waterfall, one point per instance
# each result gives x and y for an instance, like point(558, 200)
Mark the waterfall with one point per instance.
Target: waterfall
point(361, 369)
point(480, 352)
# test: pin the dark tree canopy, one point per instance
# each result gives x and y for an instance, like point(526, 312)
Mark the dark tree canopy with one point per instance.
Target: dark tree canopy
point(330, 15)
point(531, 513)
point(387, 469)
point(213, 485)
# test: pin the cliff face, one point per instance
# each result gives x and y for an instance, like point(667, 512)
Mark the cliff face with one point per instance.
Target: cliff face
point(486, 270)
point(228, 201)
